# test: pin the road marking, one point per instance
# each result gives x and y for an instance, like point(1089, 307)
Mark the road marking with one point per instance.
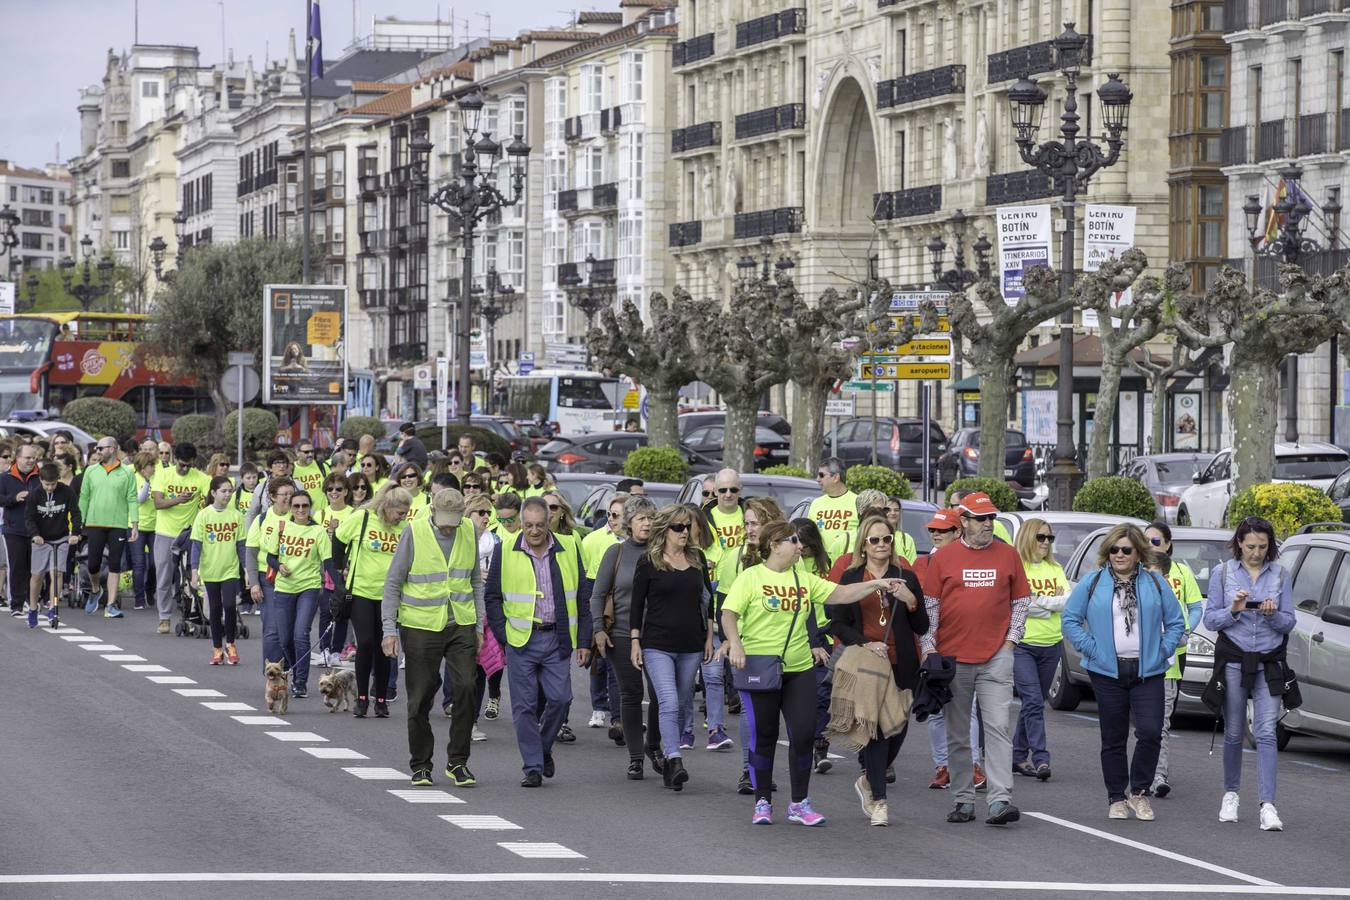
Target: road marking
point(540, 850)
point(123, 657)
point(259, 720)
point(333, 753)
point(1313, 765)
point(482, 823)
point(78, 637)
point(308, 737)
point(64, 630)
point(101, 648)
point(1083, 716)
point(1157, 851)
point(144, 667)
point(828, 755)
point(197, 692)
point(170, 679)
point(375, 773)
point(227, 706)
point(422, 795)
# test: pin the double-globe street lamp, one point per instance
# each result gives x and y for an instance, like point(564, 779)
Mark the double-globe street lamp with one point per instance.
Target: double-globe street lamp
point(1071, 161)
point(590, 296)
point(495, 301)
point(158, 248)
point(89, 289)
point(469, 197)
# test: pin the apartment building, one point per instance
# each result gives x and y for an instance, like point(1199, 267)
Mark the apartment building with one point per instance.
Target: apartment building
point(41, 199)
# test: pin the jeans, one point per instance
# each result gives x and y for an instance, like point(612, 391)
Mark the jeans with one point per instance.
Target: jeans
point(876, 756)
point(138, 553)
point(714, 694)
point(1265, 710)
point(1118, 699)
point(272, 650)
point(294, 618)
point(1170, 689)
point(455, 646)
point(672, 676)
point(937, 737)
point(992, 683)
point(1033, 671)
point(543, 663)
point(604, 687)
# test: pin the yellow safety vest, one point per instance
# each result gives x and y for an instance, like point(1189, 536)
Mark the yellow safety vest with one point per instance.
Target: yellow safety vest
point(436, 586)
point(519, 588)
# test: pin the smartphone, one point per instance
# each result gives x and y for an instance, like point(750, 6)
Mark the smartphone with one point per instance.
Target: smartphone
point(1252, 604)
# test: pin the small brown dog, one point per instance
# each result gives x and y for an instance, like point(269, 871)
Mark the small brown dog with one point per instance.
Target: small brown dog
point(278, 692)
point(339, 689)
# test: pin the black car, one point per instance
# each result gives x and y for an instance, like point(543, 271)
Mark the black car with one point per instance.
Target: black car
point(689, 421)
point(606, 452)
point(771, 448)
point(962, 459)
point(505, 428)
point(899, 443)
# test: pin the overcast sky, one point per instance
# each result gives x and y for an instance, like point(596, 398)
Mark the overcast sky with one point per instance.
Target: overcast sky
point(52, 48)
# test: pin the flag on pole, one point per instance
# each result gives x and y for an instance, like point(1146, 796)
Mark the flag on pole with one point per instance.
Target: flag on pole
point(1273, 221)
point(315, 42)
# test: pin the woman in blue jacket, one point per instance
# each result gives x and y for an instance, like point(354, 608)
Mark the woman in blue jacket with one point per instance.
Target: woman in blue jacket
point(1126, 623)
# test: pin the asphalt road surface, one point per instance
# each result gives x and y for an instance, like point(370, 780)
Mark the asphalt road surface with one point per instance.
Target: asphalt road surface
point(121, 781)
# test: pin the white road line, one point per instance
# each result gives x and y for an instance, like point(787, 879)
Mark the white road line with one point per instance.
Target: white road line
point(227, 706)
point(101, 648)
point(375, 773)
point(170, 679)
point(78, 637)
point(64, 630)
point(259, 720)
point(197, 692)
point(1083, 716)
point(1157, 851)
point(482, 823)
point(1313, 765)
point(123, 657)
point(333, 753)
point(308, 737)
point(422, 795)
point(144, 667)
point(540, 850)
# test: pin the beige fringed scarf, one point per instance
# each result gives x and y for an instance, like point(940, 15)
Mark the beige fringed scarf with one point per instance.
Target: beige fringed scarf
point(865, 702)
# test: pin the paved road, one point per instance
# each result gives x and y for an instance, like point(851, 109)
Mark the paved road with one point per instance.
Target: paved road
point(117, 783)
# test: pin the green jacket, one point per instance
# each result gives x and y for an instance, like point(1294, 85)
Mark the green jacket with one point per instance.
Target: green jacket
point(108, 497)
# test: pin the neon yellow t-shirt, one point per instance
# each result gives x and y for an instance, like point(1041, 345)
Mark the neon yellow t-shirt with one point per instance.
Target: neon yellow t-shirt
point(1183, 584)
point(369, 552)
point(219, 531)
point(146, 512)
point(260, 534)
point(310, 478)
point(302, 549)
point(728, 532)
point(834, 516)
point(764, 602)
point(593, 547)
point(172, 520)
point(1045, 577)
point(329, 515)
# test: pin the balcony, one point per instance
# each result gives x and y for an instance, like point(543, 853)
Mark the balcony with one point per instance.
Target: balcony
point(1313, 132)
point(1029, 59)
point(770, 27)
point(1235, 15)
point(787, 117)
point(686, 234)
point(602, 272)
point(407, 353)
point(370, 184)
point(374, 241)
point(691, 51)
point(605, 196)
point(695, 137)
point(374, 299)
point(610, 120)
point(1273, 11)
point(244, 187)
point(1270, 141)
point(903, 204)
point(1234, 146)
point(920, 86)
point(765, 222)
point(1017, 187)
point(567, 201)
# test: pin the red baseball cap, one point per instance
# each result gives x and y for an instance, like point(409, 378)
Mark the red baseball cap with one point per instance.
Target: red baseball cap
point(944, 519)
point(978, 504)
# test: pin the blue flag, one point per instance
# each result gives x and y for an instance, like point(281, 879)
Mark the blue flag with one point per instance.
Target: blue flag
point(315, 42)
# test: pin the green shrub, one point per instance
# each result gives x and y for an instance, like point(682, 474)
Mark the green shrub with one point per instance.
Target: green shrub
point(1115, 495)
point(791, 471)
point(1288, 506)
point(888, 481)
point(483, 440)
point(661, 464)
point(355, 426)
point(195, 429)
point(260, 428)
point(1004, 497)
point(101, 416)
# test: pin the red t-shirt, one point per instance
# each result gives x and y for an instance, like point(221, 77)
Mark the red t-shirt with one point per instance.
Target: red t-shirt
point(975, 591)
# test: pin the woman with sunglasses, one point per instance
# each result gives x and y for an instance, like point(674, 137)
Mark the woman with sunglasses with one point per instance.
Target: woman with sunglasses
point(1181, 579)
point(560, 519)
point(376, 470)
point(298, 552)
point(762, 616)
point(409, 477)
point(1126, 623)
point(218, 466)
point(1037, 655)
point(888, 626)
point(260, 533)
point(362, 493)
point(139, 551)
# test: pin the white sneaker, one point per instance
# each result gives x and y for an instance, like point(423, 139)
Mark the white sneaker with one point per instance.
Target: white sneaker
point(477, 735)
point(1139, 805)
point(880, 813)
point(599, 719)
point(1270, 819)
point(1228, 811)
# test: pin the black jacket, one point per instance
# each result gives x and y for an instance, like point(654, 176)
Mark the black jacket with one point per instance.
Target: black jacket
point(846, 623)
point(411, 449)
point(53, 516)
point(935, 679)
point(1271, 666)
point(11, 485)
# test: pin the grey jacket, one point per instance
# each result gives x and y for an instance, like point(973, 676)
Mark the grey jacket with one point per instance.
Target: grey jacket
point(402, 564)
point(616, 574)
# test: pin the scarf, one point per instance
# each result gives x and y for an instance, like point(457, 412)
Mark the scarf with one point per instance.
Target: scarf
point(1126, 599)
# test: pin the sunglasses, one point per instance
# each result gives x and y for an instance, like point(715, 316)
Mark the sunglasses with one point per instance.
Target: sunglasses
point(299, 507)
point(479, 512)
point(679, 527)
point(707, 494)
point(615, 515)
point(1157, 542)
point(360, 487)
point(1045, 538)
point(553, 507)
point(985, 518)
point(337, 487)
point(506, 520)
point(941, 530)
point(792, 539)
point(881, 539)
point(411, 476)
point(1126, 550)
point(367, 465)
point(302, 452)
point(729, 490)
point(822, 474)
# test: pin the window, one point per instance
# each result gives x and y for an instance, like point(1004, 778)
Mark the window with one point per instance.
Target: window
point(487, 121)
point(515, 119)
point(632, 68)
point(121, 240)
point(121, 168)
point(1209, 206)
point(515, 256)
point(630, 245)
point(555, 316)
point(149, 89)
point(1313, 574)
point(592, 88)
point(591, 166)
point(587, 240)
point(555, 108)
point(632, 164)
point(30, 240)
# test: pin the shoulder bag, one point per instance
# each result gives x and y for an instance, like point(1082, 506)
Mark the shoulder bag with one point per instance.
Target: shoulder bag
point(764, 671)
point(272, 571)
point(342, 600)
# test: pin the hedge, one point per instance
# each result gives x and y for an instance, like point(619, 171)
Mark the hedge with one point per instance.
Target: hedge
point(660, 464)
point(791, 471)
point(484, 441)
point(888, 481)
point(195, 429)
point(1116, 495)
point(355, 426)
point(1288, 506)
point(1004, 497)
point(101, 416)
point(260, 428)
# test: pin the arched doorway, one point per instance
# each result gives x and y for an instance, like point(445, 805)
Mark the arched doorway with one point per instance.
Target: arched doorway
point(846, 177)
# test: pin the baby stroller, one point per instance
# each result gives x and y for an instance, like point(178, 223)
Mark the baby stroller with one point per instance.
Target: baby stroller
point(78, 586)
point(191, 602)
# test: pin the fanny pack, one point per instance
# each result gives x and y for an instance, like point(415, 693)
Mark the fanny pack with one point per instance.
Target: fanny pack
point(764, 671)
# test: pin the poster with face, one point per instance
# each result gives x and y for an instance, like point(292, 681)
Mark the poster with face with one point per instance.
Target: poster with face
point(1186, 421)
point(304, 331)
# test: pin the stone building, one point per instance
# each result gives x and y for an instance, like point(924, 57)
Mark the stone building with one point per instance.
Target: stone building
point(41, 199)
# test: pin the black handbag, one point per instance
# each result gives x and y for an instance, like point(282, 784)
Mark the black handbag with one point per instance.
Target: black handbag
point(341, 604)
point(764, 671)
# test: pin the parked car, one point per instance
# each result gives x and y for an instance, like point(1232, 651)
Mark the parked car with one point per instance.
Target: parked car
point(1339, 492)
point(771, 448)
point(1167, 475)
point(594, 507)
point(1200, 548)
point(1205, 503)
point(899, 443)
point(1071, 528)
point(689, 421)
point(962, 458)
point(42, 429)
point(914, 515)
point(506, 428)
point(784, 489)
point(577, 486)
point(606, 452)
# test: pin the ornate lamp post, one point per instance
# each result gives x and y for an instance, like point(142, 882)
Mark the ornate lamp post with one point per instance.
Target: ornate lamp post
point(89, 289)
point(495, 300)
point(469, 197)
point(1071, 161)
point(590, 296)
point(9, 221)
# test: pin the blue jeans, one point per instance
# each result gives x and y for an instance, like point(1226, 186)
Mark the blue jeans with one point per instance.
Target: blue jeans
point(543, 663)
point(672, 676)
point(294, 618)
point(1265, 710)
point(1033, 670)
point(138, 554)
point(714, 693)
point(272, 650)
point(937, 737)
point(1118, 700)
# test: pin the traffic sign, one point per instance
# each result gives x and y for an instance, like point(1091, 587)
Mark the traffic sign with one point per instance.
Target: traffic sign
point(422, 378)
point(881, 386)
point(944, 323)
point(916, 347)
point(840, 406)
point(526, 364)
point(913, 300)
point(230, 384)
point(912, 371)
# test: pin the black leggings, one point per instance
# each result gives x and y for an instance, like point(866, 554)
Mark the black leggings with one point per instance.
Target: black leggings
point(630, 682)
point(876, 756)
point(366, 625)
point(113, 539)
point(795, 701)
point(220, 597)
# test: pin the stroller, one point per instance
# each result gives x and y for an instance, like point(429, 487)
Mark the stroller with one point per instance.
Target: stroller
point(78, 586)
point(191, 602)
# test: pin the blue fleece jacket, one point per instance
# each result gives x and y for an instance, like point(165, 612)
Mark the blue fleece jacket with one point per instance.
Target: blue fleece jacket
point(1088, 624)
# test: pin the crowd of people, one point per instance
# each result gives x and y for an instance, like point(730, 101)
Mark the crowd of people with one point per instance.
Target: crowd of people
point(466, 567)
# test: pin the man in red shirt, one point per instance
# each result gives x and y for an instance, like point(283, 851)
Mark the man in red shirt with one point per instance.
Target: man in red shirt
point(976, 594)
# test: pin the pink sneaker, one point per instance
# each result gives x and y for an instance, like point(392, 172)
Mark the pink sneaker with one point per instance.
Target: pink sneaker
point(348, 653)
point(804, 814)
point(763, 813)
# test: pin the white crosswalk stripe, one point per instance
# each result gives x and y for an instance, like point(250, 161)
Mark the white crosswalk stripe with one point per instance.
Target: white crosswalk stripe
point(482, 823)
point(540, 850)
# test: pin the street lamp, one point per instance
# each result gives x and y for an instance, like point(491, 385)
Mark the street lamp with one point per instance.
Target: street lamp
point(469, 197)
point(1071, 161)
point(590, 296)
point(9, 221)
point(1293, 210)
point(88, 290)
point(497, 302)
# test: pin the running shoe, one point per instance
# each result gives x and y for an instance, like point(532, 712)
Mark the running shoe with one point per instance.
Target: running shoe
point(981, 782)
point(1024, 768)
point(1228, 810)
point(16, 612)
point(140, 604)
point(1002, 813)
point(53, 617)
point(362, 707)
point(1043, 774)
point(460, 775)
point(1270, 819)
point(763, 813)
point(231, 655)
point(381, 708)
point(112, 611)
point(821, 758)
point(566, 735)
point(881, 813)
point(218, 657)
point(32, 617)
point(1119, 809)
point(962, 812)
point(163, 626)
point(91, 605)
point(1161, 788)
point(257, 610)
point(476, 735)
point(687, 740)
point(300, 692)
point(447, 709)
point(804, 814)
point(348, 653)
point(421, 778)
point(942, 779)
point(744, 787)
point(599, 719)
point(493, 708)
point(718, 740)
point(1139, 805)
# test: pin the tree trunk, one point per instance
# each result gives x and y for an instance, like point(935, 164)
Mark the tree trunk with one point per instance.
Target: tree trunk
point(663, 406)
point(738, 439)
point(808, 423)
point(223, 406)
point(1252, 402)
point(1158, 384)
point(995, 376)
point(1108, 394)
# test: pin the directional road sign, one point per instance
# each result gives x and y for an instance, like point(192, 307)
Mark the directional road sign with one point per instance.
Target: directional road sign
point(904, 371)
point(916, 347)
point(944, 323)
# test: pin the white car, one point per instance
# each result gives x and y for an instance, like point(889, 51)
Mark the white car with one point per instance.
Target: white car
point(1205, 503)
point(44, 428)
